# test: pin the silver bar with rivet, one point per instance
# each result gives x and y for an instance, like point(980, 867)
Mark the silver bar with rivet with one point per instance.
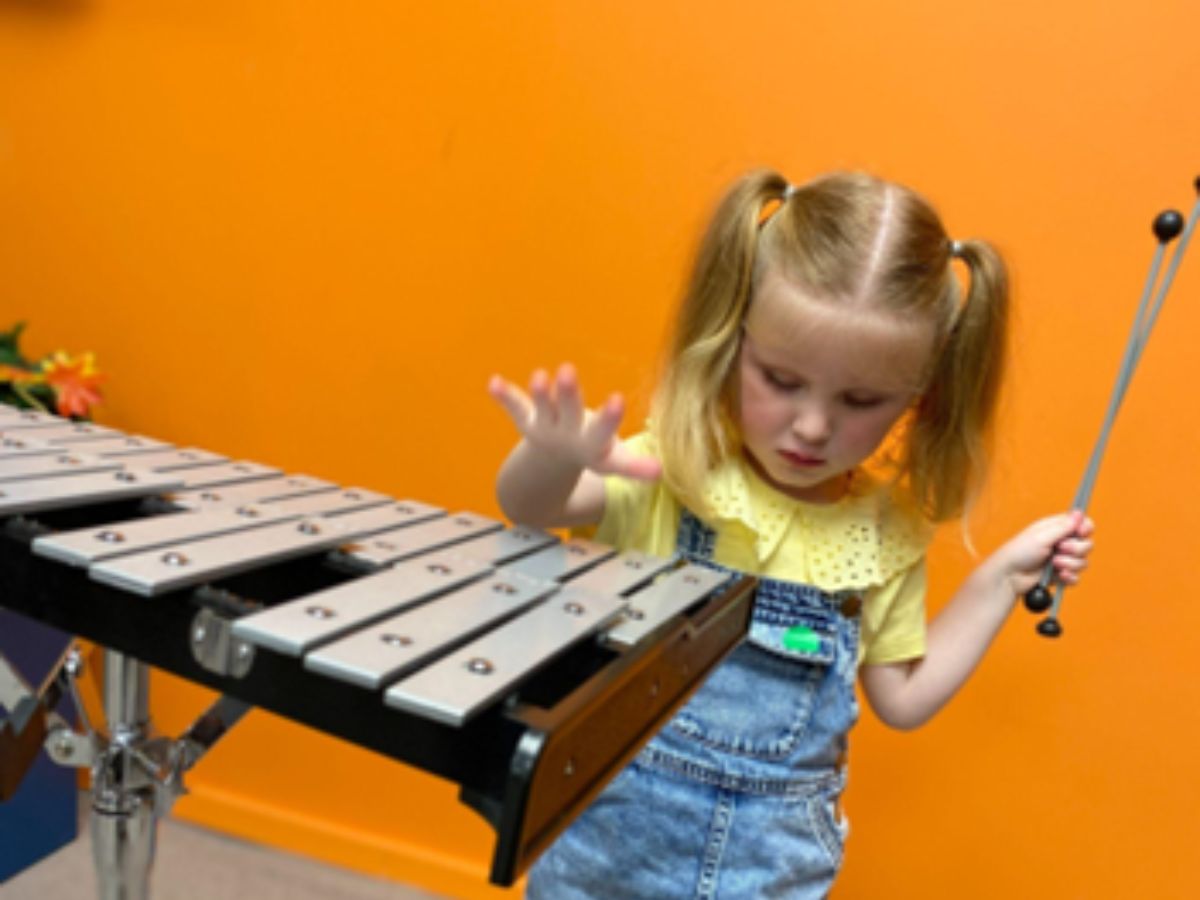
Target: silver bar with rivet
point(229, 473)
point(21, 445)
point(620, 574)
point(264, 490)
point(187, 564)
point(500, 547)
point(330, 503)
point(389, 547)
point(561, 561)
point(665, 598)
point(70, 432)
point(125, 444)
point(460, 684)
point(91, 545)
point(39, 494)
point(161, 459)
point(17, 468)
point(301, 624)
point(370, 657)
point(29, 421)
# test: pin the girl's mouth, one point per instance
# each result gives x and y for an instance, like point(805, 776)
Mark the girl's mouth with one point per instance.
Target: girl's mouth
point(801, 460)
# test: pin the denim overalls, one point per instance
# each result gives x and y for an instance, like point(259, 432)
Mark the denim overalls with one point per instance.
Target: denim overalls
point(736, 797)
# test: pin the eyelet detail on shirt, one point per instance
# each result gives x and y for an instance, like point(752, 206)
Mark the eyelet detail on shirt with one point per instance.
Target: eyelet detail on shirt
point(861, 541)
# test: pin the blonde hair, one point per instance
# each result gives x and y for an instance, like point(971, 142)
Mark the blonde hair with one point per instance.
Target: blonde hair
point(855, 241)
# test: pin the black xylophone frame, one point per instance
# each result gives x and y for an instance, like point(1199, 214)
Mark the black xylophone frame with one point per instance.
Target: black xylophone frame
point(528, 766)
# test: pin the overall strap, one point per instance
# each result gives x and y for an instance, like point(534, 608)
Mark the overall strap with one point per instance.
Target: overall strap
point(788, 618)
point(695, 540)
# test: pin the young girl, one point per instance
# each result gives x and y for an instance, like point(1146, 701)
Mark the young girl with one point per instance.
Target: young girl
point(826, 400)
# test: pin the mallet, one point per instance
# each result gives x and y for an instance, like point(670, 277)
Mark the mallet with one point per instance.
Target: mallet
point(1167, 226)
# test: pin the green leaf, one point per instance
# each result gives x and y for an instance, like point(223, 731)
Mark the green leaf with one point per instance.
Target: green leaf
point(10, 350)
point(10, 339)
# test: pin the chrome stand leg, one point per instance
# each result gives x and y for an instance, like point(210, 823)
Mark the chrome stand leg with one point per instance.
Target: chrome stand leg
point(123, 847)
point(124, 812)
point(135, 777)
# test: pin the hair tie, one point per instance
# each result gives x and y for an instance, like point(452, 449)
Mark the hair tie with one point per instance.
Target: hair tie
point(956, 249)
point(788, 191)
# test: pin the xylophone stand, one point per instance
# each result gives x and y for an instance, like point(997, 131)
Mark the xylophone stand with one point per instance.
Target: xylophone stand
point(135, 777)
point(125, 789)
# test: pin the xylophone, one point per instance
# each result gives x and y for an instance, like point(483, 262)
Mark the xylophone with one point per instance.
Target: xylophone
point(524, 668)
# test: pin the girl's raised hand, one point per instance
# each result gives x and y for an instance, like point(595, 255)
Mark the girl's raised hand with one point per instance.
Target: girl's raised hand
point(1064, 540)
point(552, 417)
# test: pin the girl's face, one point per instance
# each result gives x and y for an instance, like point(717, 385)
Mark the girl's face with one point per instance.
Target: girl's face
point(819, 388)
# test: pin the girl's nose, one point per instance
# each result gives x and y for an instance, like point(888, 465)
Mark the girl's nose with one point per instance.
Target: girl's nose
point(812, 424)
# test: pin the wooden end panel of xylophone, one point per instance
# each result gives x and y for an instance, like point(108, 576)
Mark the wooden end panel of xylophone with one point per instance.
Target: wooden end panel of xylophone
point(571, 750)
point(524, 669)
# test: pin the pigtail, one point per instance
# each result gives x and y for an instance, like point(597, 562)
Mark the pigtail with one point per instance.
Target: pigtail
point(951, 427)
point(692, 408)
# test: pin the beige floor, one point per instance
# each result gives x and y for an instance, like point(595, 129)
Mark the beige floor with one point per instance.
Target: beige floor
point(193, 863)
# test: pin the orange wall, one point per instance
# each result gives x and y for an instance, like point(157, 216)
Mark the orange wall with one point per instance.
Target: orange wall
point(305, 233)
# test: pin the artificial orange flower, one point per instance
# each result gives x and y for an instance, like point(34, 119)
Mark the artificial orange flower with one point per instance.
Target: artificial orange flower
point(75, 382)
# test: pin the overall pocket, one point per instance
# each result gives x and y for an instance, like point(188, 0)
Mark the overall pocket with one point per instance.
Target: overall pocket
point(759, 702)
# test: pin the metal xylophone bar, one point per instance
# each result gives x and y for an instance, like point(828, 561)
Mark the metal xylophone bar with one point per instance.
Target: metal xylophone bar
point(1167, 226)
point(523, 668)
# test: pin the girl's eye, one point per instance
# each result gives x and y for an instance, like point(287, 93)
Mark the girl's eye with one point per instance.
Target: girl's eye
point(780, 381)
point(856, 401)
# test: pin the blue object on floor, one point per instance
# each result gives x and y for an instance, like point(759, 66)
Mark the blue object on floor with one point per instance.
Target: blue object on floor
point(41, 817)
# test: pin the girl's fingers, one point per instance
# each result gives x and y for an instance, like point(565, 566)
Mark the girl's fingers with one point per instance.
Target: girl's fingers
point(570, 398)
point(543, 403)
point(1069, 554)
point(553, 415)
point(642, 468)
point(1069, 563)
point(616, 459)
point(1068, 531)
point(1060, 527)
point(599, 434)
point(1074, 546)
point(1084, 527)
point(513, 399)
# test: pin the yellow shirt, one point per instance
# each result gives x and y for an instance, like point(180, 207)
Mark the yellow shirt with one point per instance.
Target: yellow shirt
point(863, 542)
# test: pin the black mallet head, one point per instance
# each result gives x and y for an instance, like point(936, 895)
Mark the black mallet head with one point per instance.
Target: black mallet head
point(1038, 599)
point(1167, 225)
point(1049, 628)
